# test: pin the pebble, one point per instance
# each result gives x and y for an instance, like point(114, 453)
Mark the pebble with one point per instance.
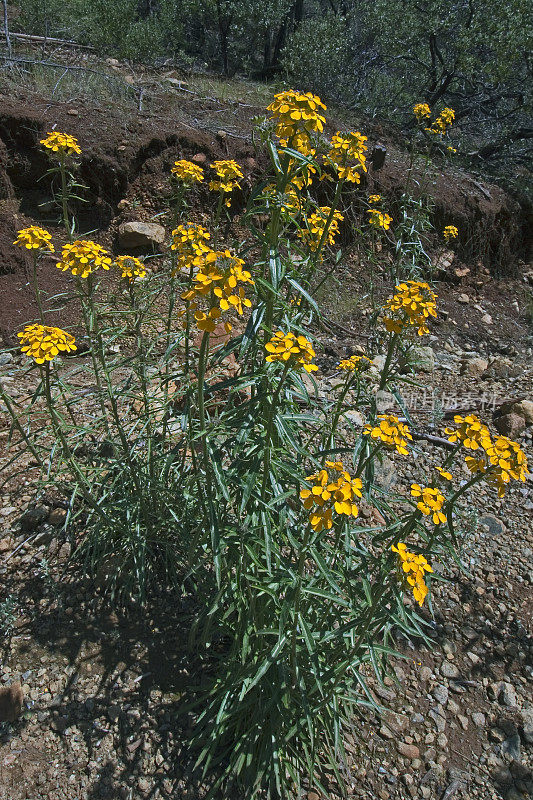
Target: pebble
point(449, 670)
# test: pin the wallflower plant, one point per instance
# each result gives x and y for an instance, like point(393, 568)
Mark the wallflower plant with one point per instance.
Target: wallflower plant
point(202, 462)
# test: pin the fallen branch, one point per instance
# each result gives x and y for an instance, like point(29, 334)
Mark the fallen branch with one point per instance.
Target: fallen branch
point(27, 37)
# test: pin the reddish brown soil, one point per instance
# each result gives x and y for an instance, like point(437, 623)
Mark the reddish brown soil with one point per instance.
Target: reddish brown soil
point(127, 157)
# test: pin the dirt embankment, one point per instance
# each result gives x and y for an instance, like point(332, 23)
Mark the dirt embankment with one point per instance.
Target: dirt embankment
point(125, 163)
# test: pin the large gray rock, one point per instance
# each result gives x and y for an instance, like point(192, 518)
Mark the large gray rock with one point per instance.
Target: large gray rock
point(136, 235)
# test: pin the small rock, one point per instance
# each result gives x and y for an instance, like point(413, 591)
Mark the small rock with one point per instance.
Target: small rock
point(199, 158)
point(410, 751)
point(495, 525)
point(479, 719)
point(486, 319)
point(526, 716)
point(449, 670)
point(140, 234)
point(507, 696)
point(511, 747)
point(510, 425)
point(57, 516)
point(73, 112)
point(474, 367)
point(463, 298)
point(11, 699)
point(33, 517)
point(440, 693)
point(5, 358)
point(503, 368)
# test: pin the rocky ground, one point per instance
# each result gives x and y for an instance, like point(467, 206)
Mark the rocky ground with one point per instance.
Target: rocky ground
point(99, 687)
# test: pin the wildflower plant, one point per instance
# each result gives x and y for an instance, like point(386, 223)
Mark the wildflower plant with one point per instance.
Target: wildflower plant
point(201, 461)
point(63, 149)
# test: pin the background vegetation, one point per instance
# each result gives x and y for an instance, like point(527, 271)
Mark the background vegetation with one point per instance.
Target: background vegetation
point(377, 58)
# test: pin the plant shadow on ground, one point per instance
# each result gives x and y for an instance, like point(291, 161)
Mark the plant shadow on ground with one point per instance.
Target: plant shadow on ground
point(129, 673)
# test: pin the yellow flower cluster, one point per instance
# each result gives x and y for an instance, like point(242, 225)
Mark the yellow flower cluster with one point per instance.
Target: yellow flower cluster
point(43, 343)
point(422, 111)
point(83, 257)
point(187, 172)
point(130, 268)
point(413, 568)
point(296, 351)
point(297, 117)
point(355, 364)
point(34, 238)
point(333, 490)
point(189, 240)
point(502, 458)
point(374, 198)
point(391, 432)
point(316, 225)
point(430, 503)
point(378, 219)
point(218, 279)
point(441, 124)
point(411, 305)
point(472, 433)
point(61, 143)
point(450, 232)
point(347, 155)
point(506, 460)
point(229, 174)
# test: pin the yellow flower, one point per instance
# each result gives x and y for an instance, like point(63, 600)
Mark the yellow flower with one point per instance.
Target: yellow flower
point(451, 149)
point(131, 268)
point(422, 111)
point(450, 232)
point(44, 343)
point(218, 277)
point(332, 490)
point(442, 122)
point(391, 432)
point(83, 257)
point(506, 460)
point(355, 364)
point(187, 172)
point(378, 219)
point(34, 238)
point(297, 117)
point(472, 433)
point(430, 503)
point(413, 571)
point(287, 348)
point(61, 143)
point(447, 476)
point(316, 225)
point(411, 305)
point(229, 173)
point(189, 241)
point(347, 155)
point(374, 198)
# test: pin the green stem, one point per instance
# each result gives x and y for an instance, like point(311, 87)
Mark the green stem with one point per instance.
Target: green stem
point(64, 197)
point(36, 287)
point(202, 364)
point(269, 429)
point(318, 251)
point(385, 373)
